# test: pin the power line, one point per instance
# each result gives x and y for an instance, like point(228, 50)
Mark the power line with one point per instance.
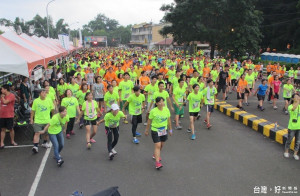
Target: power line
point(281, 14)
point(282, 22)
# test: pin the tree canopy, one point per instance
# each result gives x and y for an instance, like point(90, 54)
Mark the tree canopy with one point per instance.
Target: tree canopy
point(230, 25)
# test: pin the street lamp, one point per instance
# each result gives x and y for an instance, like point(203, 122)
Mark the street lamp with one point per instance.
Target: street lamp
point(47, 15)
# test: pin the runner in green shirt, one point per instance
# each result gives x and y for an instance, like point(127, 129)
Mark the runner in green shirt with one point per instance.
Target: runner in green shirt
point(136, 102)
point(110, 97)
point(288, 90)
point(72, 106)
point(73, 86)
point(125, 89)
point(209, 94)
point(112, 119)
point(159, 120)
point(293, 127)
point(149, 90)
point(40, 117)
point(179, 96)
point(90, 110)
point(195, 100)
point(61, 88)
point(55, 126)
point(161, 93)
point(250, 78)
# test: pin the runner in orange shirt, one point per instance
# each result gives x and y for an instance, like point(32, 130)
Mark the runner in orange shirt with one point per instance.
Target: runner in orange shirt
point(206, 71)
point(242, 85)
point(144, 81)
point(110, 75)
point(190, 71)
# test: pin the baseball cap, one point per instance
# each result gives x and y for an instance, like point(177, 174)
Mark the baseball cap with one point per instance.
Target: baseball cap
point(115, 107)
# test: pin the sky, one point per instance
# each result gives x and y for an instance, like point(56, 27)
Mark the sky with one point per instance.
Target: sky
point(79, 12)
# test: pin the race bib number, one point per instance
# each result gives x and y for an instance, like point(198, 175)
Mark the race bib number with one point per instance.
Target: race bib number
point(126, 95)
point(91, 116)
point(161, 131)
point(180, 100)
point(111, 102)
point(210, 101)
point(288, 93)
point(195, 105)
point(137, 111)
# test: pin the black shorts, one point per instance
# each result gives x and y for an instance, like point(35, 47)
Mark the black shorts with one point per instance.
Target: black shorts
point(246, 90)
point(260, 97)
point(142, 91)
point(99, 99)
point(296, 81)
point(233, 82)
point(195, 114)
point(287, 99)
point(90, 122)
point(210, 108)
point(157, 138)
point(276, 96)
point(240, 97)
point(135, 119)
point(222, 87)
point(7, 123)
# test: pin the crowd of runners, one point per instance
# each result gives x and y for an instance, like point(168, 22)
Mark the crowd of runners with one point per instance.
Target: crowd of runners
point(116, 86)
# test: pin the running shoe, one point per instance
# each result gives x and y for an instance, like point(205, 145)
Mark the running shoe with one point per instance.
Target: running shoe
point(258, 106)
point(35, 149)
point(145, 124)
point(199, 116)
point(193, 137)
point(80, 126)
point(181, 116)
point(275, 107)
point(135, 141)
point(208, 126)
point(89, 145)
point(68, 136)
point(247, 104)
point(114, 151)
point(270, 102)
point(226, 98)
point(111, 156)
point(178, 128)
point(262, 109)
point(46, 145)
point(189, 130)
point(241, 108)
point(60, 162)
point(230, 92)
point(125, 122)
point(286, 112)
point(286, 155)
point(72, 132)
point(296, 157)
point(92, 140)
point(153, 157)
point(175, 121)
point(158, 165)
point(205, 121)
point(137, 134)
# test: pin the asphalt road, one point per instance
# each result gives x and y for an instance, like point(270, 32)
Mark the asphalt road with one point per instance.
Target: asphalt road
point(228, 159)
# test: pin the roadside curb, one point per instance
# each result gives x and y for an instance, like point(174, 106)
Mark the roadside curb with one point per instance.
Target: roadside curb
point(258, 124)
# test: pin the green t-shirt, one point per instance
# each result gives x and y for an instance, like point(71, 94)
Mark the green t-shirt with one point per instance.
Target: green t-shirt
point(291, 73)
point(211, 100)
point(150, 89)
point(80, 96)
point(113, 121)
point(133, 76)
point(193, 81)
point(159, 119)
point(74, 88)
point(214, 74)
point(102, 72)
point(287, 90)
point(92, 114)
point(235, 75)
point(156, 84)
point(294, 115)
point(171, 74)
point(52, 91)
point(71, 104)
point(135, 104)
point(250, 79)
point(62, 88)
point(116, 89)
point(175, 82)
point(126, 89)
point(111, 98)
point(42, 109)
point(57, 123)
point(194, 101)
point(179, 94)
point(164, 94)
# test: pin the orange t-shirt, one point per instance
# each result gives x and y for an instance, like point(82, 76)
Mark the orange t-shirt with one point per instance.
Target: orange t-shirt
point(147, 68)
point(257, 67)
point(163, 70)
point(189, 72)
point(241, 86)
point(273, 68)
point(268, 68)
point(206, 71)
point(144, 81)
point(270, 80)
point(110, 76)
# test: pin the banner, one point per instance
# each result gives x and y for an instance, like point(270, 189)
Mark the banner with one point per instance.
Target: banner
point(38, 74)
point(75, 42)
point(64, 41)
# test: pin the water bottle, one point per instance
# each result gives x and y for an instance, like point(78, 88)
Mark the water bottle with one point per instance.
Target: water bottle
point(275, 127)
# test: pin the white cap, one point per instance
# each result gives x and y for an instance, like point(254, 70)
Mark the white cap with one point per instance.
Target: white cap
point(115, 107)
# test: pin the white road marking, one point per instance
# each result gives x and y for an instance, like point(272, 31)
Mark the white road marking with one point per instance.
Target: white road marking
point(39, 173)
point(19, 146)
